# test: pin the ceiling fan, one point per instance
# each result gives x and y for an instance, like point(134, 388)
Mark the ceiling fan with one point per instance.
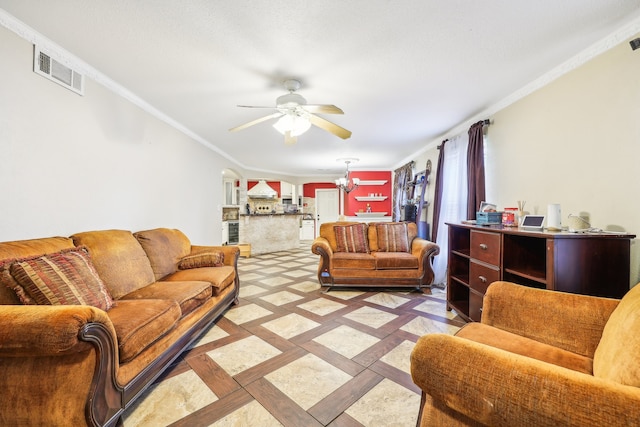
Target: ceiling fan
point(295, 116)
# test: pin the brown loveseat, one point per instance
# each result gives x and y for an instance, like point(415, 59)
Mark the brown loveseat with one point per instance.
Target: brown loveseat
point(380, 254)
point(537, 358)
point(150, 295)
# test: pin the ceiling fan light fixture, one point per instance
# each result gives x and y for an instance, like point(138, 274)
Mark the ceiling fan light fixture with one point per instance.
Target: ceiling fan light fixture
point(296, 125)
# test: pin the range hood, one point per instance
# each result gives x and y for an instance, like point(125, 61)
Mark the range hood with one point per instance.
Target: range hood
point(262, 190)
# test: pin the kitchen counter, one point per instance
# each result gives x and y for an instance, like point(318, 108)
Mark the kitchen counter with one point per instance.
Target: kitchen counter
point(270, 232)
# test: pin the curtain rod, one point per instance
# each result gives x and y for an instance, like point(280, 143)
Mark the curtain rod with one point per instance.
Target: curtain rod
point(485, 122)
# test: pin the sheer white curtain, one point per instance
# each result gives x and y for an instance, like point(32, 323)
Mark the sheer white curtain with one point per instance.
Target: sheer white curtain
point(454, 198)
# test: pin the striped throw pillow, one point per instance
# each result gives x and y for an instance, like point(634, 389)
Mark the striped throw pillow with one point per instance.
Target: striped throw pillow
point(393, 237)
point(63, 278)
point(351, 238)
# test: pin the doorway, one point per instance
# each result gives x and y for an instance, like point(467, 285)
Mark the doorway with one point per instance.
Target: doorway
point(327, 206)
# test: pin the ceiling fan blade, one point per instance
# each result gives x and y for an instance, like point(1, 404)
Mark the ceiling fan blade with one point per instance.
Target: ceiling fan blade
point(322, 109)
point(254, 106)
point(288, 139)
point(255, 122)
point(329, 127)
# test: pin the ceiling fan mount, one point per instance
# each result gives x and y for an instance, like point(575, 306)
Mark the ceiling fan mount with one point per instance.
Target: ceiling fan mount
point(292, 110)
point(291, 85)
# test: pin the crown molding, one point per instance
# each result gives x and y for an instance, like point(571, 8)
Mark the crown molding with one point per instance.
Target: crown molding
point(67, 58)
point(621, 35)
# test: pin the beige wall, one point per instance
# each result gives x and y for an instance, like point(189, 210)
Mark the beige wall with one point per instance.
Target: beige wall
point(71, 163)
point(575, 142)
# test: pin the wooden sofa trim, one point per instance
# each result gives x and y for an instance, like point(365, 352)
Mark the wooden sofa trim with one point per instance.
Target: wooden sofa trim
point(107, 399)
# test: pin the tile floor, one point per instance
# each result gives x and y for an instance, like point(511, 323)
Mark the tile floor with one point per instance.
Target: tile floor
point(292, 355)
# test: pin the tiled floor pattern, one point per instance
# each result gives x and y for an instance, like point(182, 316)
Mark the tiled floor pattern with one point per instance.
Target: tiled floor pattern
point(292, 355)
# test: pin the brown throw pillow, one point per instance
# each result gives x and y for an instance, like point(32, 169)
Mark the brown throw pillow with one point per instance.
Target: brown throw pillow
point(393, 237)
point(205, 259)
point(351, 238)
point(63, 278)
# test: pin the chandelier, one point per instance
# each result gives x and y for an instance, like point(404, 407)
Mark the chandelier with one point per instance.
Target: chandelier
point(345, 184)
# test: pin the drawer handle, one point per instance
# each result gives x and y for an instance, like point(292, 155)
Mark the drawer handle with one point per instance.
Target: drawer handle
point(483, 246)
point(482, 279)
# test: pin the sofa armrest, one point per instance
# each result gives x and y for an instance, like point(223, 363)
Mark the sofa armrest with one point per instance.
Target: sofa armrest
point(231, 252)
point(499, 388)
point(321, 246)
point(37, 330)
point(569, 321)
point(425, 250)
point(67, 356)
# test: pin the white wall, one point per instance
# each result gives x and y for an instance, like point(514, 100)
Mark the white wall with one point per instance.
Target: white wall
point(575, 142)
point(73, 163)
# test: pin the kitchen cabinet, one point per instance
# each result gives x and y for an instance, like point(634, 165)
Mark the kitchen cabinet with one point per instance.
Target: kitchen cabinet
point(583, 263)
point(286, 189)
point(307, 230)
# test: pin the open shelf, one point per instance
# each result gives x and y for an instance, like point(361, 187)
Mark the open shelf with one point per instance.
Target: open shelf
point(371, 214)
point(373, 182)
point(371, 198)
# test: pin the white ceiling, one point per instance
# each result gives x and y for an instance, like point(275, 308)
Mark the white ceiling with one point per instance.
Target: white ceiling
point(405, 72)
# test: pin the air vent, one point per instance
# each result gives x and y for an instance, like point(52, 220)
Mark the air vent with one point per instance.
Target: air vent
point(55, 71)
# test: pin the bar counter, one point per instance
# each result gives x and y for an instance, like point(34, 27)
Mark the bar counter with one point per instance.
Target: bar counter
point(270, 232)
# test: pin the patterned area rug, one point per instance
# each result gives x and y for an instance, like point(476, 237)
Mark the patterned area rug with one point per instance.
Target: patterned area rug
point(291, 354)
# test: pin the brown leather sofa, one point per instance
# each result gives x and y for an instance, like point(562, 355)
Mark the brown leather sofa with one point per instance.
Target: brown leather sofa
point(382, 254)
point(82, 365)
point(537, 358)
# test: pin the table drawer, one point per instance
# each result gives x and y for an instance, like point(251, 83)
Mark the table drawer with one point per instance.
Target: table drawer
point(481, 276)
point(485, 247)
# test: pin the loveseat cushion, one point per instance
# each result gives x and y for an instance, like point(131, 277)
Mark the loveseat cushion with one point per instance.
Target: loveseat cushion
point(189, 295)
point(204, 259)
point(517, 344)
point(393, 237)
point(354, 261)
point(119, 259)
point(351, 238)
point(395, 261)
point(219, 278)
point(165, 248)
point(67, 277)
point(139, 323)
point(617, 357)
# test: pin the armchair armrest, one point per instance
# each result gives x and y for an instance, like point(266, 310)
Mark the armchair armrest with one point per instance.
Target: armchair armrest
point(42, 330)
point(499, 388)
point(569, 321)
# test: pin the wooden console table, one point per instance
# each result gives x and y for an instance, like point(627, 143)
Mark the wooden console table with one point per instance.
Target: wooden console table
point(583, 263)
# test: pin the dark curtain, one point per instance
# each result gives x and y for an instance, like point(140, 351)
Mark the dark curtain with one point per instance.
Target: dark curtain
point(400, 180)
point(475, 169)
point(437, 198)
